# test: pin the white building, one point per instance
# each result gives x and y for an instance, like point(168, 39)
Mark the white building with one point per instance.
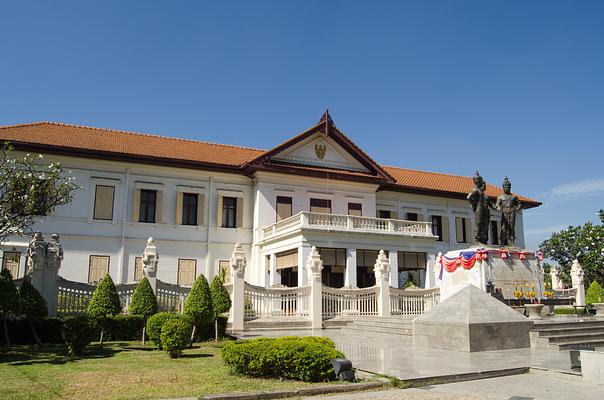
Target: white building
point(198, 199)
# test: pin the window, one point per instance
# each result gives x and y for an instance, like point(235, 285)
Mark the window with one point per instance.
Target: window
point(385, 214)
point(284, 207)
point(365, 262)
point(189, 208)
point(98, 267)
point(229, 212)
point(411, 268)
point(494, 232)
point(437, 227)
point(147, 206)
point(334, 266)
point(461, 230)
point(355, 209)
point(138, 269)
point(224, 269)
point(411, 216)
point(320, 206)
point(10, 261)
point(103, 202)
point(186, 271)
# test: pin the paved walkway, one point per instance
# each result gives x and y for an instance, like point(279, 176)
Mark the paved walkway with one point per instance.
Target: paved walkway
point(517, 387)
point(395, 355)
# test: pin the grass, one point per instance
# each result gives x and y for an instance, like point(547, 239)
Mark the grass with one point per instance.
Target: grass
point(122, 370)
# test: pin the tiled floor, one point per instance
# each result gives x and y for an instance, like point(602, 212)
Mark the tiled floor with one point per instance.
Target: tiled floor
point(396, 356)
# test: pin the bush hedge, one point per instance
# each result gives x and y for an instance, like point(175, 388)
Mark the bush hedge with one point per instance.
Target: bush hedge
point(175, 335)
point(77, 334)
point(143, 300)
point(291, 357)
point(48, 330)
point(154, 325)
point(595, 293)
point(121, 328)
point(568, 310)
point(199, 303)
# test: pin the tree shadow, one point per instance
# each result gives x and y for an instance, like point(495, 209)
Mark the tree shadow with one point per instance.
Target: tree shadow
point(27, 355)
point(188, 355)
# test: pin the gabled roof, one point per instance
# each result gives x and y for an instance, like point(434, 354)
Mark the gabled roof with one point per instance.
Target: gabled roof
point(327, 128)
point(85, 141)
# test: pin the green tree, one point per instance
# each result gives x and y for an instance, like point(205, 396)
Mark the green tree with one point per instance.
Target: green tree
point(585, 241)
point(9, 300)
point(32, 306)
point(29, 188)
point(199, 304)
point(105, 302)
point(221, 300)
point(595, 293)
point(144, 302)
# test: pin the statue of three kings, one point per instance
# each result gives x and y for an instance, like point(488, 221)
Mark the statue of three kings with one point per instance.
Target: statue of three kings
point(507, 204)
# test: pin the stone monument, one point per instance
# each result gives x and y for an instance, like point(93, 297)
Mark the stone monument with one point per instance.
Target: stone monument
point(508, 205)
point(470, 321)
point(150, 261)
point(43, 264)
point(577, 277)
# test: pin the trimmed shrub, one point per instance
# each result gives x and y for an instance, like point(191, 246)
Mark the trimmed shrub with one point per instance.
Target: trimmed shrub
point(47, 329)
point(199, 303)
point(221, 301)
point(154, 325)
point(175, 335)
point(144, 302)
point(32, 306)
point(208, 332)
point(9, 300)
point(568, 310)
point(122, 328)
point(595, 293)
point(77, 334)
point(105, 302)
point(291, 357)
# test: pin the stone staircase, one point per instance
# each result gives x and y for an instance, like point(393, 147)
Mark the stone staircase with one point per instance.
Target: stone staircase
point(562, 333)
point(391, 325)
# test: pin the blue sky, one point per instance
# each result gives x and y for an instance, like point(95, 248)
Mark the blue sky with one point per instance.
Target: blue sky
point(510, 88)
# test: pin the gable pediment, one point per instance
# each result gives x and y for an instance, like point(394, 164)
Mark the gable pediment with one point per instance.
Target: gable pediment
point(320, 151)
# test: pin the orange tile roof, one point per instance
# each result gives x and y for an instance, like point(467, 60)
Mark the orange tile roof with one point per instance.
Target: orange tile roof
point(101, 142)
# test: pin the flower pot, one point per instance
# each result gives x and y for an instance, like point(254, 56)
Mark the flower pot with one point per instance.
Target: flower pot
point(534, 310)
point(599, 309)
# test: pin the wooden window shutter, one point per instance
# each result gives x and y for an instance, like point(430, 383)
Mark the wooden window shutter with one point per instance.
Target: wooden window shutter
point(138, 269)
point(98, 268)
point(446, 234)
point(103, 202)
point(219, 212)
point(458, 230)
point(186, 272)
point(137, 205)
point(158, 206)
point(239, 212)
point(179, 196)
point(200, 209)
point(469, 236)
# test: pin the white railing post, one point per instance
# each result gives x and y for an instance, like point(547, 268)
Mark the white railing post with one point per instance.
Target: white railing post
point(237, 264)
point(150, 261)
point(382, 275)
point(314, 265)
point(44, 260)
point(577, 277)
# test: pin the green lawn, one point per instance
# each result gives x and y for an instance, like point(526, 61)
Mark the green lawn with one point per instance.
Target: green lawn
point(122, 370)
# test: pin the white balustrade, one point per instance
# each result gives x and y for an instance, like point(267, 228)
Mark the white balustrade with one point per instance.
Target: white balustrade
point(261, 302)
point(347, 223)
point(413, 302)
point(343, 302)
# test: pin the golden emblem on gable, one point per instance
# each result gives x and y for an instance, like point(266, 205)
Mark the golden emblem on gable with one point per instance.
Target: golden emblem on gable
point(320, 150)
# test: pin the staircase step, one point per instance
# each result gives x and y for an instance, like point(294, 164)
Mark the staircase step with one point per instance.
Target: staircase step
point(586, 336)
point(565, 345)
point(570, 331)
point(392, 331)
point(571, 324)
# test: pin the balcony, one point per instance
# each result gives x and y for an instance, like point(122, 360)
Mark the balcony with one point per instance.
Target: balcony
point(347, 224)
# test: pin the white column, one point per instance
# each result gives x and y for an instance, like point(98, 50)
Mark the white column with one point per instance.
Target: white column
point(237, 264)
point(314, 264)
point(272, 265)
point(381, 269)
point(303, 253)
point(452, 232)
point(350, 280)
point(577, 277)
point(393, 258)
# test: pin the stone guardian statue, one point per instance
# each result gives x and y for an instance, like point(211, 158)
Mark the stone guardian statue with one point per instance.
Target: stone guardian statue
point(481, 204)
point(508, 205)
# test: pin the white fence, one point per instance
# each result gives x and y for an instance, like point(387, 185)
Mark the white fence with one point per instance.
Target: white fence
point(413, 302)
point(263, 302)
point(338, 302)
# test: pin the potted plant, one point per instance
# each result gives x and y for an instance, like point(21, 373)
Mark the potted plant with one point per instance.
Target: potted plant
point(595, 297)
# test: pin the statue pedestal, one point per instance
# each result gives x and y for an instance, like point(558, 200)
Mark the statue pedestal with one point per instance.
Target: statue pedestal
point(534, 311)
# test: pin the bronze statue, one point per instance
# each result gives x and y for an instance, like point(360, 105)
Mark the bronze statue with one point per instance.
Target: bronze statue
point(508, 205)
point(481, 204)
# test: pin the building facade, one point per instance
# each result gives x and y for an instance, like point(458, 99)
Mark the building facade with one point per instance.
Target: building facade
point(198, 199)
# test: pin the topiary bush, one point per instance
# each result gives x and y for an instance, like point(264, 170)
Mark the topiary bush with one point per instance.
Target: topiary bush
point(9, 300)
point(199, 303)
point(221, 301)
point(175, 335)
point(77, 334)
point(105, 302)
point(144, 302)
point(595, 293)
point(32, 306)
point(122, 328)
point(154, 325)
point(301, 358)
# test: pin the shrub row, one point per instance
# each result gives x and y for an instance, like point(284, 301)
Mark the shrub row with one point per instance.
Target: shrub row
point(301, 358)
point(48, 329)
